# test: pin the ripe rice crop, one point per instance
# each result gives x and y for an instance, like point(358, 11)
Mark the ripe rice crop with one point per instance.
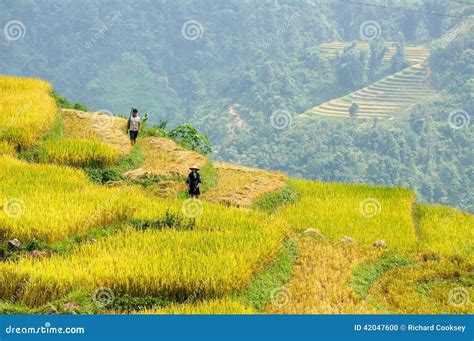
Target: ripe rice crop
point(215, 307)
point(27, 110)
point(320, 283)
point(218, 257)
point(77, 153)
point(6, 148)
point(444, 230)
point(51, 203)
point(364, 213)
point(434, 286)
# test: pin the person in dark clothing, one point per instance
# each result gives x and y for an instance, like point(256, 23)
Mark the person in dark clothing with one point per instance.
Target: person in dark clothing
point(193, 181)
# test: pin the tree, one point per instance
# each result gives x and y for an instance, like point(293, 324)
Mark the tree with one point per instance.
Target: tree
point(399, 61)
point(377, 54)
point(187, 135)
point(354, 109)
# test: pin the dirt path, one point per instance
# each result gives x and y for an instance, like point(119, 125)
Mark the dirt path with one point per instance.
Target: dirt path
point(320, 282)
point(165, 158)
point(239, 186)
point(99, 126)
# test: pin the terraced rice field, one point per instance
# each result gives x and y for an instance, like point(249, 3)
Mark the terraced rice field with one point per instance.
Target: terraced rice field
point(363, 213)
point(321, 276)
point(383, 99)
point(219, 256)
point(240, 186)
point(27, 111)
point(415, 54)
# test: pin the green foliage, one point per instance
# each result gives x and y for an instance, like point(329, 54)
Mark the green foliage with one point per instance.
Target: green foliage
point(130, 161)
point(398, 61)
point(129, 304)
point(64, 103)
point(258, 293)
point(273, 201)
point(209, 177)
point(354, 109)
point(189, 137)
point(365, 275)
point(170, 220)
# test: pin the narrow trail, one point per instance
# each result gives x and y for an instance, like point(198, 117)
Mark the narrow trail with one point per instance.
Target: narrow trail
point(164, 158)
point(240, 186)
point(105, 128)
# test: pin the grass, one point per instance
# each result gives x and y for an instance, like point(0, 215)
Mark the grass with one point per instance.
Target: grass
point(28, 111)
point(364, 213)
point(426, 287)
point(125, 163)
point(444, 230)
point(259, 293)
point(365, 275)
point(273, 201)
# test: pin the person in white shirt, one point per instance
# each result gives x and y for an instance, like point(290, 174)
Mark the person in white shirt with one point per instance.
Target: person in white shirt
point(134, 126)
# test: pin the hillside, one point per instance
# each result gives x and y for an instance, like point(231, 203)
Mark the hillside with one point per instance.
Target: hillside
point(90, 225)
point(383, 99)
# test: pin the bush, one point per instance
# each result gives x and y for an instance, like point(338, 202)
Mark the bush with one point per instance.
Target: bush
point(189, 137)
point(171, 220)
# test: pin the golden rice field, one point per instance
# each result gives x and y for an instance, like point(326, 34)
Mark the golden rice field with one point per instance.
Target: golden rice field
point(215, 307)
point(215, 259)
point(444, 230)
point(320, 283)
point(7, 148)
point(27, 110)
point(97, 126)
point(203, 270)
point(77, 153)
point(383, 99)
point(430, 286)
point(361, 212)
point(50, 203)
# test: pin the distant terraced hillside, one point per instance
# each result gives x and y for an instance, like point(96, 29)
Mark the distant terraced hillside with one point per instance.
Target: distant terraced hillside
point(415, 54)
point(382, 99)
